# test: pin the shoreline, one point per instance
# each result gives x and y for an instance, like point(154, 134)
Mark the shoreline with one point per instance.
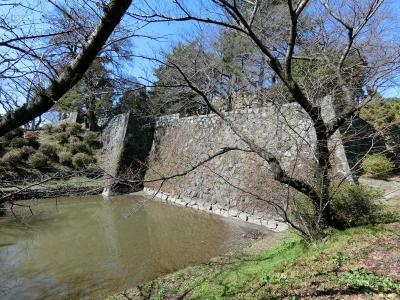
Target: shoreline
point(52, 193)
point(268, 222)
point(252, 246)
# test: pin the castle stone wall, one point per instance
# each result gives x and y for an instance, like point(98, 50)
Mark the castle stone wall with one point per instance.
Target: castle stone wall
point(233, 184)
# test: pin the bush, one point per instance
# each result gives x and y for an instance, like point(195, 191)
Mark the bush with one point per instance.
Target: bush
point(80, 147)
point(351, 205)
point(62, 138)
point(92, 139)
point(18, 132)
point(48, 150)
point(27, 151)
point(18, 142)
point(3, 142)
point(38, 160)
point(303, 213)
point(74, 139)
point(48, 128)
point(2, 150)
point(63, 126)
point(32, 138)
point(74, 129)
point(377, 165)
point(12, 157)
point(354, 204)
point(65, 158)
point(81, 160)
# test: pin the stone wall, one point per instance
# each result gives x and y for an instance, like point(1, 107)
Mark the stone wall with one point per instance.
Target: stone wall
point(127, 141)
point(238, 184)
point(233, 184)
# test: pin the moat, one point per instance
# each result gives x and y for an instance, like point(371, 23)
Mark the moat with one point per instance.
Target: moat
point(91, 247)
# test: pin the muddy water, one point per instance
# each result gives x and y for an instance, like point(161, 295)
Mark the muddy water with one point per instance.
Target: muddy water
point(89, 247)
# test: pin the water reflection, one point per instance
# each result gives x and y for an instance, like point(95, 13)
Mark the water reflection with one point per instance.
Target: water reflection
point(90, 247)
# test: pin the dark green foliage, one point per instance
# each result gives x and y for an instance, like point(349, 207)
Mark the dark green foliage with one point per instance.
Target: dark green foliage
point(354, 204)
point(77, 147)
point(351, 205)
point(2, 150)
point(48, 150)
point(38, 160)
point(383, 114)
point(32, 138)
point(136, 102)
point(27, 151)
point(93, 96)
point(92, 139)
point(18, 142)
point(377, 165)
point(74, 129)
point(9, 136)
point(18, 132)
point(81, 160)
point(48, 128)
point(197, 63)
point(317, 79)
point(65, 158)
point(73, 139)
point(62, 138)
point(12, 157)
point(58, 144)
point(63, 126)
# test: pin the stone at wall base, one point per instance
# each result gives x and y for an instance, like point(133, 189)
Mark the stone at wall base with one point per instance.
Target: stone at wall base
point(106, 193)
point(267, 221)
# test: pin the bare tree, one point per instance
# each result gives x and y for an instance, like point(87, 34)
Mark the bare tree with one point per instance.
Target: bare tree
point(344, 39)
point(28, 56)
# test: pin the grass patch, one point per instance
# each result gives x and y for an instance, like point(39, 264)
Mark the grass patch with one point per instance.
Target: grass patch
point(291, 269)
point(76, 182)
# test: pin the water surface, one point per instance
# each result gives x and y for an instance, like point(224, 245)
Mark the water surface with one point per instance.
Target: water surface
point(90, 247)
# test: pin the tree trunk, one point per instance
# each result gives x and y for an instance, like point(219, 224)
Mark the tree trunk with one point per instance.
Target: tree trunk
point(46, 98)
point(91, 119)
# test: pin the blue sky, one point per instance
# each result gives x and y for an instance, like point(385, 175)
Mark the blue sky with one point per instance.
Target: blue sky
point(174, 32)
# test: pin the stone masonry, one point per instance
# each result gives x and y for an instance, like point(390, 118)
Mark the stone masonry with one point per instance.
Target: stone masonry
point(235, 184)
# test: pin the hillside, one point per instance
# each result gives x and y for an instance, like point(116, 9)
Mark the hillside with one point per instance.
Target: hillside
point(56, 157)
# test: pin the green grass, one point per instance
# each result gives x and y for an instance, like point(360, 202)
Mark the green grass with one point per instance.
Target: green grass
point(75, 182)
point(290, 269)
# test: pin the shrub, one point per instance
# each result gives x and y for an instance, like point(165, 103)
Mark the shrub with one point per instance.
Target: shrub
point(65, 158)
point(2, 150)
point(56, 129)
point(63, 126)
point(62, 138)
point(351, 205)
point(48, 128)
point(48, 150)
point(38, 160)
point(18, 132)
point(12, 157)
point(74, 129)
point(377, 165)
point(18, 142)
point(27, 151)
point(92, 139)
point(73, 139)
point(32, 138)
point(80, 147)
point(81, 160)
point(354, 204)
point(303, 213)
point(3, 142)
